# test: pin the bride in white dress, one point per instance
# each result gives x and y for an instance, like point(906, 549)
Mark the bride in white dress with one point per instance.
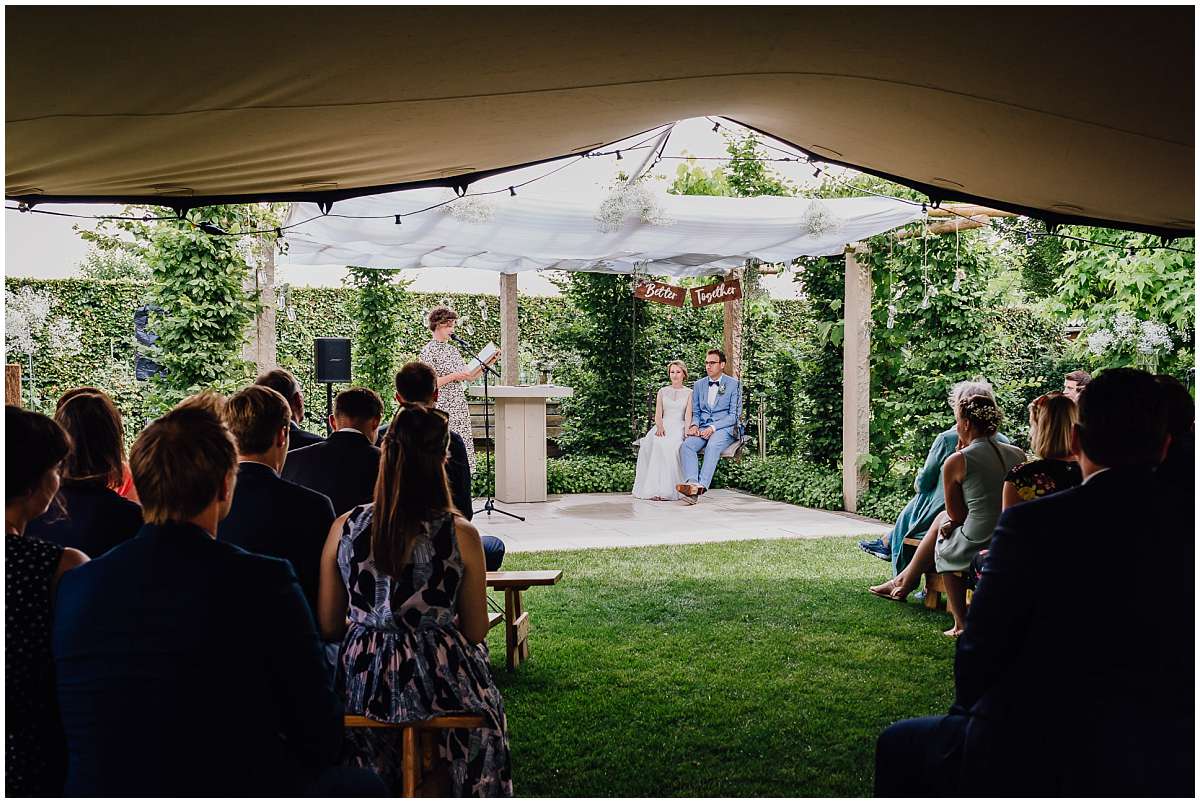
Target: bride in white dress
point(658, 466)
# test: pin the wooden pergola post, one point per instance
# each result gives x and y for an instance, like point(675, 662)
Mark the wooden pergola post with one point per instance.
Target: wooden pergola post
point(856, 378)
point(732, 332)
point(12, 384)
point(509, 345)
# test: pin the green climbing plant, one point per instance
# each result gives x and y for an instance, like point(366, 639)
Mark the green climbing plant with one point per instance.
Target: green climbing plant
point(378, 302)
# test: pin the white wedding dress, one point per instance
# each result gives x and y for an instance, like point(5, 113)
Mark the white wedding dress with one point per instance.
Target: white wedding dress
point(658, 467)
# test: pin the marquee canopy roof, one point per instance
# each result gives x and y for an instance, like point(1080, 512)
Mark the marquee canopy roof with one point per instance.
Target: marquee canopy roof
point(687, 235)
point(1069, 113)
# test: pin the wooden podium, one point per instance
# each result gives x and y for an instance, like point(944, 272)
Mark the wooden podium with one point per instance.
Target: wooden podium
point(520, 433)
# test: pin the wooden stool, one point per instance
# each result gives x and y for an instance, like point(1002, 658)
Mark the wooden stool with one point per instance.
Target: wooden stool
point(412, 769)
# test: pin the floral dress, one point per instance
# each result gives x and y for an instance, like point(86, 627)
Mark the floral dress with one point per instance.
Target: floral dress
point(452, 398)
point(1033, 480)
point(404, 660)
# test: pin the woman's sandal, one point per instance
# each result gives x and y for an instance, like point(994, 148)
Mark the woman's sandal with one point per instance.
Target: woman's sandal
point(890, 593)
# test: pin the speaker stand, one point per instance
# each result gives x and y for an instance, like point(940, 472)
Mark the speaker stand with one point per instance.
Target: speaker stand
point(328, 408)
point(489, 504)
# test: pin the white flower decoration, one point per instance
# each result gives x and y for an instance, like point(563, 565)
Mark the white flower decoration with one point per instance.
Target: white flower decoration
point(628, 201)
point(819, 220)
point(471, 209)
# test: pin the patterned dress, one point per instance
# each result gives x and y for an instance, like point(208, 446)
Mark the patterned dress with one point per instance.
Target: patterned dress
point(1033, 480)
point(35, 749)
point(404, 660)
point(452, 398)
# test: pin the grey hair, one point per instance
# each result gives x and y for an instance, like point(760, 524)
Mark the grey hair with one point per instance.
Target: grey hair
point(971, 387)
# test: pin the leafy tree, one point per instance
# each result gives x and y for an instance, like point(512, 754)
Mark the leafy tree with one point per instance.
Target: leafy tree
point(114, 264)
point(377, 340)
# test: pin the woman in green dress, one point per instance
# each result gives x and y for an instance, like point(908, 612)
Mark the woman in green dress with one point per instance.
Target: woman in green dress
point(922, 509)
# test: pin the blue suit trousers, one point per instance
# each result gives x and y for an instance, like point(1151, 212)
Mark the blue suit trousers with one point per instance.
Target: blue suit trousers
point(712, 448)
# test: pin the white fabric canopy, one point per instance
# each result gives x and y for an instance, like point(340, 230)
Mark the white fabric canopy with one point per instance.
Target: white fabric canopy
point(680, 236)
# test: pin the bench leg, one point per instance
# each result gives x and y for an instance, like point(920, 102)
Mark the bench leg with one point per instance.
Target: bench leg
point(409, 759)
point(516, 628)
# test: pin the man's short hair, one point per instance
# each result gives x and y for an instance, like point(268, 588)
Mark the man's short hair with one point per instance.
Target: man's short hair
point(281, 381)
point(1080, 378)
point(1122, 419)
point(254, 416)
point(416, 382)
point(179, 463)
point(358, 404)
point(1181, 407)
point(720, 354)
point(204, 400)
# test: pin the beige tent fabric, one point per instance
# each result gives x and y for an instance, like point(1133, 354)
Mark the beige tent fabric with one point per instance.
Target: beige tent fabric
point(1077, 113)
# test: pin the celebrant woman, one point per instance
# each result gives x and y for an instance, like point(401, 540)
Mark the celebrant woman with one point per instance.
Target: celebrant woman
point(452, 375)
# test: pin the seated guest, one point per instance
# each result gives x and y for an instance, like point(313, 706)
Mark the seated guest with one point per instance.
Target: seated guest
point(416, 383)
point(930, 500)
point(344, 466)
point(1061, 693)
point(282, 382)
point(270, 515)
point(1051, 420)
point(35, 754)
point(974, 482)
point(125, 489)
point(408, 573)
point(1178, 470)
point(186, 665)
point(1074, 383)
point(90, 516)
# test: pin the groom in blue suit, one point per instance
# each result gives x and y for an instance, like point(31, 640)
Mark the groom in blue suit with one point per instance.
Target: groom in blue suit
point(716, 408)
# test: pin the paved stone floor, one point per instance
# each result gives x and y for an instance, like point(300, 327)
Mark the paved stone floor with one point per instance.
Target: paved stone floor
point(589, 521)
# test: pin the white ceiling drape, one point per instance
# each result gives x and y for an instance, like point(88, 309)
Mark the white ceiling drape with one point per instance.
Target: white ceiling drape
point(680, 236)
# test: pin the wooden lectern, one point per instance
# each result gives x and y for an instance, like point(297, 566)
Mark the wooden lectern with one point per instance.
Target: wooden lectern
point(520, 433)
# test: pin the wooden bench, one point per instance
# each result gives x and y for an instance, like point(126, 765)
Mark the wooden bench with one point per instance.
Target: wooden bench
point(413, 766)
point(935, 586)
point(516, 618)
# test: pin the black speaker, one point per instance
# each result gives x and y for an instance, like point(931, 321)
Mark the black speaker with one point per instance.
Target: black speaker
point(333, 358)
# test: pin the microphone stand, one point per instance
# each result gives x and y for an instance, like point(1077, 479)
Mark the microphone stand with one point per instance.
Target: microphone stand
point(489, 504)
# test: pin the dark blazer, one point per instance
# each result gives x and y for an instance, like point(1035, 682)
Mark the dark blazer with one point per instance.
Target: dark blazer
point(274, 517)
point(187, 666)
point(94, 519)
point(458, 472)
point(1076, 666)
point(299, 438)
point(343, 467)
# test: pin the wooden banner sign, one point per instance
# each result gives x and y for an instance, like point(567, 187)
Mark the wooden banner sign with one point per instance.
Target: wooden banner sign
point(728, 290)
point(650, 290)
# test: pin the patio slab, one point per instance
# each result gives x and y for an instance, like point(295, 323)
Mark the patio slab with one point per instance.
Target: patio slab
point(597, 521)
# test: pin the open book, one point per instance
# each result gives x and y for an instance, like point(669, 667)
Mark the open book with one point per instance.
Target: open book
point(486, 353)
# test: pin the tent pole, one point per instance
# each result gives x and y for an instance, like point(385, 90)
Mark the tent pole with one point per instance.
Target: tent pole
point(856, 377)
point(509, 346)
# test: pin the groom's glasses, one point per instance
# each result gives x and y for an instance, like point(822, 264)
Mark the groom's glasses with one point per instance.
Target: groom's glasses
point(712, 362)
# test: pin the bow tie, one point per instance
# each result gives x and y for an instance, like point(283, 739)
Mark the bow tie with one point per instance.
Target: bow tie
point(712, 382)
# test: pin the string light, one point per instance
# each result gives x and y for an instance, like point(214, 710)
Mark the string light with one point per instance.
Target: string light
point(512, 192)
point(398, 220)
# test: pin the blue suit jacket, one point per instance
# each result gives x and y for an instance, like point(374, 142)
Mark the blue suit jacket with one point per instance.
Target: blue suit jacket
point(724, 413)
point(188, 666)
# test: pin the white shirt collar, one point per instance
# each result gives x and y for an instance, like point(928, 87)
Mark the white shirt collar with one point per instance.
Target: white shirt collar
point(351, 429)
point(1094, 474)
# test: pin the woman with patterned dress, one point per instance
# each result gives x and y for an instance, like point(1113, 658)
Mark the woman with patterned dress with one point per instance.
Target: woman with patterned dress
point(452, 374)
point(408, 573)
point(1051, 418)
point(35, 749)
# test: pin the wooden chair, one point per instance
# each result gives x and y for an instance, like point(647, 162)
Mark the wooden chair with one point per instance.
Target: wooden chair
point(417, 762)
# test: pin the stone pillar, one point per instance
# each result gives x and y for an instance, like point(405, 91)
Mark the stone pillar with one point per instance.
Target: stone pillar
point(856, 378)
point(262, 342)
point(509, 345)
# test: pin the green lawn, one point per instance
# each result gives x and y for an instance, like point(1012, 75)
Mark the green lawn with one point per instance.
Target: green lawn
point(756, 668)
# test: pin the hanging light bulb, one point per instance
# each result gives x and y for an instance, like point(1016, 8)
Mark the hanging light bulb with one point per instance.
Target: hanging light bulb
point(891, 319)
point(1028, 238)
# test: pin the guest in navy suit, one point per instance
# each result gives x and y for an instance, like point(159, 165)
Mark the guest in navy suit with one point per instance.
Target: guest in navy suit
point(345, 465)
point(1066, 685)
point(90, 516)
point(416, 383)
point(270, 515)
point(188, 666)
point(284, 383)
